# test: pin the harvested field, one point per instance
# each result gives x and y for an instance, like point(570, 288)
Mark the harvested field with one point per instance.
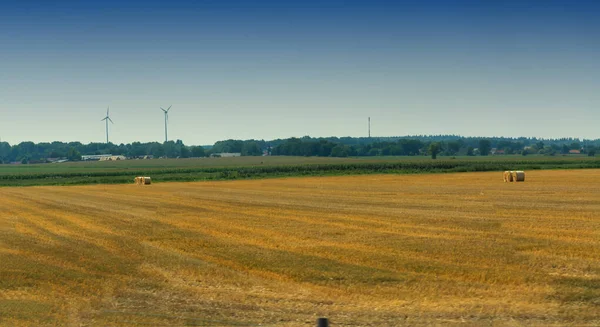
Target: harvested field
point(370, 250)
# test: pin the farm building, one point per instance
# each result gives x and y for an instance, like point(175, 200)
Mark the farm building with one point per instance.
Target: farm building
point(95, 157)
point(113, 158)
point(102, 157)
point(226, 154)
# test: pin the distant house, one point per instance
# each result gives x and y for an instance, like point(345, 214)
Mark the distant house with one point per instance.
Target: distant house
point(226, 154)
point(498, 152)
point(95, 157)
point(113, 158)
point(102, 157)
point(574, 152)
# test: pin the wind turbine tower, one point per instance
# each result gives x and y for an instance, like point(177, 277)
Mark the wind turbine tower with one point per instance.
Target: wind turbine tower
point(369, 127)
point(166, 120)
point(107, 118)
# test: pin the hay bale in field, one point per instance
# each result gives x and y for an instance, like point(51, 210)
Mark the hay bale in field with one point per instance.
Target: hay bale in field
point(508, 176)
point(140, 180)
point(519, 176)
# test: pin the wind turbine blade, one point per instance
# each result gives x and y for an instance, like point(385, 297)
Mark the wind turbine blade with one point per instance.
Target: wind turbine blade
point(110, 120)
point(107, 108)
point(103, 119)
point(161, 108)
point(169, 108)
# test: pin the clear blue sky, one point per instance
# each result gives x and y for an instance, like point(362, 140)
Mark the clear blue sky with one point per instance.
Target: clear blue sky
point(276, 69)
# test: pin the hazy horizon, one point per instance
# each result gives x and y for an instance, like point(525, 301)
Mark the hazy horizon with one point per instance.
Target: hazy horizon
point(268, 70)
point(315, 137)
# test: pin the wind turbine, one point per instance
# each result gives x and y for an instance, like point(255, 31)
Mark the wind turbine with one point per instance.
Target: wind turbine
point(107, 118)
point(166, 120)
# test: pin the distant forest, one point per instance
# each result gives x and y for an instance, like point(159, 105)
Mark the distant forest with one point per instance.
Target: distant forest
point(420, 145)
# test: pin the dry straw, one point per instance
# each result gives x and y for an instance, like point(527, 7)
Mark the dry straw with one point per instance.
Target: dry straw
point(514, 176)
point(142, 180)
point(519, 176)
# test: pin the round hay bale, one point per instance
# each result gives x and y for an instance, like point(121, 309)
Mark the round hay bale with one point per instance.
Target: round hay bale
point(519, 176)
point(147, 181)
point(509, 176)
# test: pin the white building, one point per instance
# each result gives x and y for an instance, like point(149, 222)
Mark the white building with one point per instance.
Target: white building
point(102, 157)
point(226, 154)
point(95, 157)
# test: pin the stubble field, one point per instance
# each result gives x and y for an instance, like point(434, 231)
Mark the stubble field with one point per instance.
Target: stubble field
point(370, 250)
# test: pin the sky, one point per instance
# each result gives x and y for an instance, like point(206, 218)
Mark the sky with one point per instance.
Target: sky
point(279, 69)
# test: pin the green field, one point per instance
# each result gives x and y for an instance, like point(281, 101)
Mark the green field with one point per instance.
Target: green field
point(162, 170)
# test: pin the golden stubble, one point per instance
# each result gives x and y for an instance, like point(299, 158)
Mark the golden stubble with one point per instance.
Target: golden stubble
point(381, 250)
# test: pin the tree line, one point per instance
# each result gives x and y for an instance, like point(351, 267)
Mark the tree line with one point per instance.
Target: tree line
point(29, 152)
point(430, 146)
point(419, 145)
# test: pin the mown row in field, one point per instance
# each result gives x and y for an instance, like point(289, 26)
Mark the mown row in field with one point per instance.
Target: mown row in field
point(274, 167)
point(376, 250)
